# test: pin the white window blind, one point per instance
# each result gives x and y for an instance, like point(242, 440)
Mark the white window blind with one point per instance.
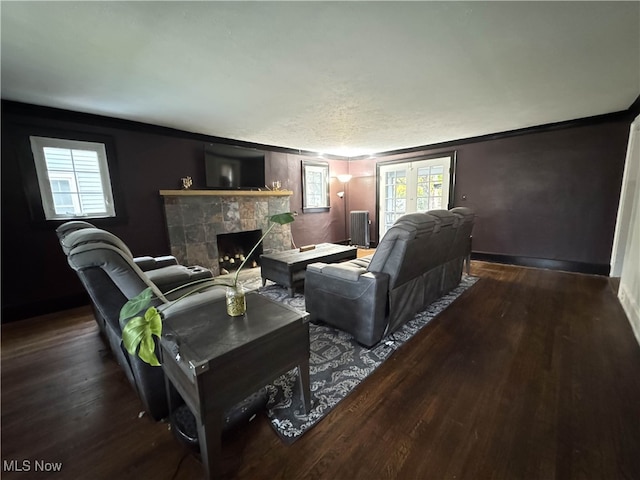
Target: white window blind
point(73, 177)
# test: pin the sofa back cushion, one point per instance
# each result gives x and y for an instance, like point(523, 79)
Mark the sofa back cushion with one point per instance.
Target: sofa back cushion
point(400, 252)
point(461, 243)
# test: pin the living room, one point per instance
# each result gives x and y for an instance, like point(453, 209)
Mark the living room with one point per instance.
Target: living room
point(546, 194)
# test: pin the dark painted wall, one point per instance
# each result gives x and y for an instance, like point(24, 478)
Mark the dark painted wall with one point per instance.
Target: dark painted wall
point(35, 275)
point(310, 228)
point(543, 195)
point(550, 194)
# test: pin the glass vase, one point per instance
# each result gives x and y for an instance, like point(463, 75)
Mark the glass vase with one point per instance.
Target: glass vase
point(236, 301)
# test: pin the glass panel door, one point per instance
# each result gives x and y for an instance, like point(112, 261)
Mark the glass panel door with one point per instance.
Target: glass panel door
point(409, 187)
point(393, 201)
point(430, 190)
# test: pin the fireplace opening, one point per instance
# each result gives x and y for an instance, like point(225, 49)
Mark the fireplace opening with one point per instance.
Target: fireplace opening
point(233, 248)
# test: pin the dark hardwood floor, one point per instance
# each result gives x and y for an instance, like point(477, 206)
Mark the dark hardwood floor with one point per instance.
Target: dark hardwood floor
point(530, 374)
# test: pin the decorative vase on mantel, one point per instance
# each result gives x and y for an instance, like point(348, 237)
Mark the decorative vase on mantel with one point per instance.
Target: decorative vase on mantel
point(236, 301)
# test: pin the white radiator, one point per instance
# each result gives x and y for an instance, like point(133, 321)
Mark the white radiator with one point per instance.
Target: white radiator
point(359, 228)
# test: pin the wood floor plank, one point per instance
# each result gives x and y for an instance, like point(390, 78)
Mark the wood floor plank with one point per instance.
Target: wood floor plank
point(530, 374)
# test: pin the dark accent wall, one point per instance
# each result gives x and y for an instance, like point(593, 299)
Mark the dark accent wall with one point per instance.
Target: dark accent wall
point(310, 228)
point(546, 197)
point(35, 275)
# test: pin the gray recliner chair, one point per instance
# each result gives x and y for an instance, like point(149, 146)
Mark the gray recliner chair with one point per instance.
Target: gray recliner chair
point(111, 276)
point(417, 261)
point(106, 268)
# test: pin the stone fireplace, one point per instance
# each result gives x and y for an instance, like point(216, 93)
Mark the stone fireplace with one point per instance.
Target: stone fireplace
point(196, 217)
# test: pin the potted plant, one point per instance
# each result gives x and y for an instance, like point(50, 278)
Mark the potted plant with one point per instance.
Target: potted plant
point(145, 321)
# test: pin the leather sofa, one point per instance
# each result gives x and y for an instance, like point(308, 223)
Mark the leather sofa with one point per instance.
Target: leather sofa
point(418, 260)
point(106, 268)
point(111, 276)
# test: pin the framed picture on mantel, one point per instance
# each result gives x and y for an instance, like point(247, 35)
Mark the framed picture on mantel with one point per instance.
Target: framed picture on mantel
point(315, 186)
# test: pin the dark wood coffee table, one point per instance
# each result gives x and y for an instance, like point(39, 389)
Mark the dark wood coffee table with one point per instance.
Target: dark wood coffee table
point(288, 268)
point(215, 361)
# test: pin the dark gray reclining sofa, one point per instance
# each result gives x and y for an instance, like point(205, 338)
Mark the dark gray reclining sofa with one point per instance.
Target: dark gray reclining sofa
point(417, 261)
point(108, 272)
point(111, 276)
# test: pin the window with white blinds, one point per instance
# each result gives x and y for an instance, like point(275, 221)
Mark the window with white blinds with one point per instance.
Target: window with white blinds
point(73, 177)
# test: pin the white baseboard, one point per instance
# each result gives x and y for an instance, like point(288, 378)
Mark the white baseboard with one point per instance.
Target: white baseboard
point(632, 310)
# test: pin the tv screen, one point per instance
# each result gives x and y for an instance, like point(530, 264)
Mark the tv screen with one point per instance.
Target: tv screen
point(233, 168)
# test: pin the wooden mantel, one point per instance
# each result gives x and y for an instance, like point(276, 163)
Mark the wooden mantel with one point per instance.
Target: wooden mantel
point(227, 193)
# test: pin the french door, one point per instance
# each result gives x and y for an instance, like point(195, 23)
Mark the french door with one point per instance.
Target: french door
point(416, 186)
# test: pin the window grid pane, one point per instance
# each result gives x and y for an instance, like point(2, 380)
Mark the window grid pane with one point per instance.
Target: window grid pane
point(396, 188)
point(429, 195)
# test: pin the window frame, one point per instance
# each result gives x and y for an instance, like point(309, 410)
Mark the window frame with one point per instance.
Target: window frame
point(311, 189)
point(450, 198)
point(29, 177)
point(38, 146)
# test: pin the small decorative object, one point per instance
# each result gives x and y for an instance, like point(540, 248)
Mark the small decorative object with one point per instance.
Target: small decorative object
point(186, 183)
point(236, 301)
point(306, 248)
point(144, 321)
point(276, 185)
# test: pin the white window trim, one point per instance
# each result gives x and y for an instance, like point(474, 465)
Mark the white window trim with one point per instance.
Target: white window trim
point(37, 147)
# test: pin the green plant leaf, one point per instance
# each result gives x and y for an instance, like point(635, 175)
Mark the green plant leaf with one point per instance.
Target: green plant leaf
point(136, 304)
point(147, 351)
point(132, 334)
point(282, 218)
point(155, 322)
point(137, 335)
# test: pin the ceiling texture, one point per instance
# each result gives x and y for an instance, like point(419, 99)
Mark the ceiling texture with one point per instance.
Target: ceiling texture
point(345, 78)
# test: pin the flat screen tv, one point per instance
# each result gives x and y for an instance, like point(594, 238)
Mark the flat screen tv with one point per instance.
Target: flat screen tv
point(233, 168)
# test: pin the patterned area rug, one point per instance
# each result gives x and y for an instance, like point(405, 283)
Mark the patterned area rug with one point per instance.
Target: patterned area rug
point(337, 363)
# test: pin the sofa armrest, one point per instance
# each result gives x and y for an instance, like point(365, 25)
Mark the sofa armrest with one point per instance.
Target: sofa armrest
point(147, 263)
point(166, 260)
point(348, 297)
point(190, 303)
point(344, 271)
point(174, 276)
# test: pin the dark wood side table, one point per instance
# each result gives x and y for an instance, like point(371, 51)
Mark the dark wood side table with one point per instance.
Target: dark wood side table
point(288, 268)
point(214, 361)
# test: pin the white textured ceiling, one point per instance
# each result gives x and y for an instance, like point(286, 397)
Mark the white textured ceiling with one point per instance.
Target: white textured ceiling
point(347, 78)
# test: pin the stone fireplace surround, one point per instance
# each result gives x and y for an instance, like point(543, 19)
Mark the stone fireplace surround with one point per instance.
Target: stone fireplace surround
point(195, 217)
